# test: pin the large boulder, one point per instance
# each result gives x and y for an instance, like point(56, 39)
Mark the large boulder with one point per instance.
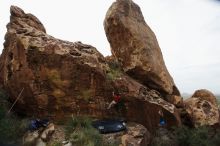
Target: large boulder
point(135, 46)
point(206, 95)
point(202, 110)
point(135, 135)
point(55, 78)
point(39, 137)
point(143, 104)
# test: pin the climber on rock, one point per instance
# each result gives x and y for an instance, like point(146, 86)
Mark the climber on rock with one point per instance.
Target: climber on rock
point(162, 121)
point(115, 101)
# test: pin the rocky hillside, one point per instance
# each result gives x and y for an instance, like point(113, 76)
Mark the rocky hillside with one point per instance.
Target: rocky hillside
point(57, 78)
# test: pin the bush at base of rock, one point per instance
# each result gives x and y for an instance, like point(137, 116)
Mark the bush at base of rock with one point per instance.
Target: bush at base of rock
point(83, 136)
point(184, 136)
point(79, 131)
point(163, 137)
point(55, 144)
point(11, 130)
point(193, 137)
point(3, 95)
point(11, 127)
point(77, 122)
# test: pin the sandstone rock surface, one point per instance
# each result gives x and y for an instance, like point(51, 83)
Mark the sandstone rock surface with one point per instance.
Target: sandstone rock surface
point(201, 109)
point(48, 132)
point(57, 76)
point(176, 100)
point(39, 137)
point(135, 45)
point(141, 101)
point(136, 135)
point(60, 78)
point(206, 95)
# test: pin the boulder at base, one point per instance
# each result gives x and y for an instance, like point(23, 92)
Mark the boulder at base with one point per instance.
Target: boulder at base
point(135, 46)
point(206, 95)
point(201, 109)
point(136, 135)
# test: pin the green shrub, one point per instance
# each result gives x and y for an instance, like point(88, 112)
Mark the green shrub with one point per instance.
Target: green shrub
point(113, 74)
point(114, 64)
point(2, 112)
point(3, 104)
point(201, 136)
point(70, 126)
point(216, 139)
point(158, 142)
point(80, 132)
point(77, 122)
point(112, 144)
point(86, 94)
point(163, 137)
point(193, 137)
point(3, 95)
point(11, 127)
point(115, 70)
point(185, 136)
point(88, 137)
point(55, 143)
point(161, 142)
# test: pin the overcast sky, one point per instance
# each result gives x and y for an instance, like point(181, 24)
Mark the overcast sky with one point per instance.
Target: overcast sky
point(188, 32)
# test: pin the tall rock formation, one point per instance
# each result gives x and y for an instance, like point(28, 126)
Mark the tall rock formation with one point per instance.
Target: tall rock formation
point(58, 78)
point(135, 45)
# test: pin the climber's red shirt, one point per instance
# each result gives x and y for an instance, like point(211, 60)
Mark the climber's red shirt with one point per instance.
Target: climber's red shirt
point(117, 98)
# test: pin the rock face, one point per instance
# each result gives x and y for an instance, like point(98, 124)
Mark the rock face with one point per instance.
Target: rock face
point(137, 106)
point(201, 109)
point(135, 45)
point(58, 78)
point(176, 100)
point(56, 75)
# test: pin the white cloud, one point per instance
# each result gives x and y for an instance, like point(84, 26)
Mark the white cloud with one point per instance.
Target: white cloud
point(188, 32)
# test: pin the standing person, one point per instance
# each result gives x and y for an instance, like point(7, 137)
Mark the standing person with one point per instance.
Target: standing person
point(115, 101)
point(162, 121)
